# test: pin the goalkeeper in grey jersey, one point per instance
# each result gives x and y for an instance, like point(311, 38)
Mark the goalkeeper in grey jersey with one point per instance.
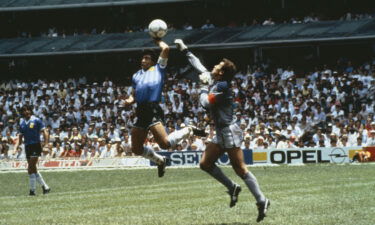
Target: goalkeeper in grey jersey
point(216, 97)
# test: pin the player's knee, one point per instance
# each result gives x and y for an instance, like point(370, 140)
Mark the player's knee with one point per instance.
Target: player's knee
point(205, 166)
point(31, 169)
point(164, 144)
point(137, 151)
point(241, 173)
point(240, 170)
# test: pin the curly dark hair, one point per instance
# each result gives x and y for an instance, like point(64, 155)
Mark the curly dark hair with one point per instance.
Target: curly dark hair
point(26, 107)
point(152, 53)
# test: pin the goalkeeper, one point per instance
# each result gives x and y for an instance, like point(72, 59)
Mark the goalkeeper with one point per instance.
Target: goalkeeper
point(216, 97)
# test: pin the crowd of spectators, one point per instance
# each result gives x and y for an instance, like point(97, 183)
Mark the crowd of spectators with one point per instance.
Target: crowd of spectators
point(275, 108)
point(207, 24)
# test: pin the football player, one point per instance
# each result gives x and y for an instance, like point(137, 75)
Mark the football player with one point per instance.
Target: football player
point(30, 128)
point(216, 97)
point(147, 88)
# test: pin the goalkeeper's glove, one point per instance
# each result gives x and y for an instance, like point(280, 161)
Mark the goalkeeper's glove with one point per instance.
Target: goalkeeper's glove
point(180, 44)
point(205, 78)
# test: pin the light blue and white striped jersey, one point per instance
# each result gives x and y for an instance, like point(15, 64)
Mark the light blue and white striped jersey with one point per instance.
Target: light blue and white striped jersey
point(31, 130)
point(148, 84)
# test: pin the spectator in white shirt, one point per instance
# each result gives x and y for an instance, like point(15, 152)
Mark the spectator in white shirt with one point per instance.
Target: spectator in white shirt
point(282, 143)
point(353, 137)
point(207, 25)
point(336, 127)
point(343, 142)
point(318, 135)
point(371, 139)
point(268, 22)
point(288, 73)
point(258, 143)
point(319, 115)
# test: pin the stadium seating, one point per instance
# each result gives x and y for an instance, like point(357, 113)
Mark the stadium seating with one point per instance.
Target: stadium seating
point(12, 4)
point(251, 35)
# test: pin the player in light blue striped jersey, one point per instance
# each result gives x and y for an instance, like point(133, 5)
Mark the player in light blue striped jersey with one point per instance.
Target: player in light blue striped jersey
point(147, 88)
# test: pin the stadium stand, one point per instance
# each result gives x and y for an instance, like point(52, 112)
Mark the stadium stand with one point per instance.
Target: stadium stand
point(21, 5)
point(277, 106)
point(275, 110)
point(244, 36)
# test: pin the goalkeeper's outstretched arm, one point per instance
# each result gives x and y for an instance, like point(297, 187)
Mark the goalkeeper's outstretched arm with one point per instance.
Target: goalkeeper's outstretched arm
point(194, 61)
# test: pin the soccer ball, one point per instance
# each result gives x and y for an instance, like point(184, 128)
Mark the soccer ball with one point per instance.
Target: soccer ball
point(157, 28)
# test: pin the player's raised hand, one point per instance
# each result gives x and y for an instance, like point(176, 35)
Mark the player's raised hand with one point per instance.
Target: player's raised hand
point(159, 42)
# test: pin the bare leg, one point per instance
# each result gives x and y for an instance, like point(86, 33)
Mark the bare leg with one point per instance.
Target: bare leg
point(160, 135)
point(138, 138)
point(168, 141)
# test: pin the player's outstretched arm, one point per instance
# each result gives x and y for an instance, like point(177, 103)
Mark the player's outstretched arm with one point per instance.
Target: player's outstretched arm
point(194, 61)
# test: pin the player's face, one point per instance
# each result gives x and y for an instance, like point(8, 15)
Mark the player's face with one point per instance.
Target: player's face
point(146, 62)
point(27, 113)
point(217, 71)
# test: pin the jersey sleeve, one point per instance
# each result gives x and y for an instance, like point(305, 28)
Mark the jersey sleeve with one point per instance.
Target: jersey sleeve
point(162, 62)
point(21, 130)
point(195, 62)
point(222, 87)
point(40, 123)
point(161, 68)
point(133, 82)
point(219, 94)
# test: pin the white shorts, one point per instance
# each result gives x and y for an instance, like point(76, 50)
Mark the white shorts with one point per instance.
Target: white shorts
point(228, 137)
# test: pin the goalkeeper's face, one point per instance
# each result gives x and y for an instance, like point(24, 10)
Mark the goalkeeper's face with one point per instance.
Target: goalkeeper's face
point(147, 62)
point(217, 71)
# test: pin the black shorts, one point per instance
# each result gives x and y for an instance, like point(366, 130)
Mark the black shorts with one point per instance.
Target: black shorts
point(148, 114)
point(33, 150)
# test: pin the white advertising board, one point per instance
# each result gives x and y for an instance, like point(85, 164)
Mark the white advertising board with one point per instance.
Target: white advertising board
point(304, 155)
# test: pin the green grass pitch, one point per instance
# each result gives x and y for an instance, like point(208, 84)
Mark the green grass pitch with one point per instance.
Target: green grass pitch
point(313, 194)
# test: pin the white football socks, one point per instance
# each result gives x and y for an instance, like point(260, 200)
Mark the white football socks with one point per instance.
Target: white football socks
point(175, 137)
point(32, 181)
point(150, 154)
point(41, 181)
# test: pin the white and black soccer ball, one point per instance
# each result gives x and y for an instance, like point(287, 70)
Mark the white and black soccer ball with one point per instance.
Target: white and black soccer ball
point(157, 28)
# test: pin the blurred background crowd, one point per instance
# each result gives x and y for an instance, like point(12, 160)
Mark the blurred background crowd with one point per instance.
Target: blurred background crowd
point(276, 108)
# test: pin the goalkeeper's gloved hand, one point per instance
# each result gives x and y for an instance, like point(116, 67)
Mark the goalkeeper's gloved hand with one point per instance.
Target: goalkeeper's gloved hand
point(205, 78)
point(180, 44)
